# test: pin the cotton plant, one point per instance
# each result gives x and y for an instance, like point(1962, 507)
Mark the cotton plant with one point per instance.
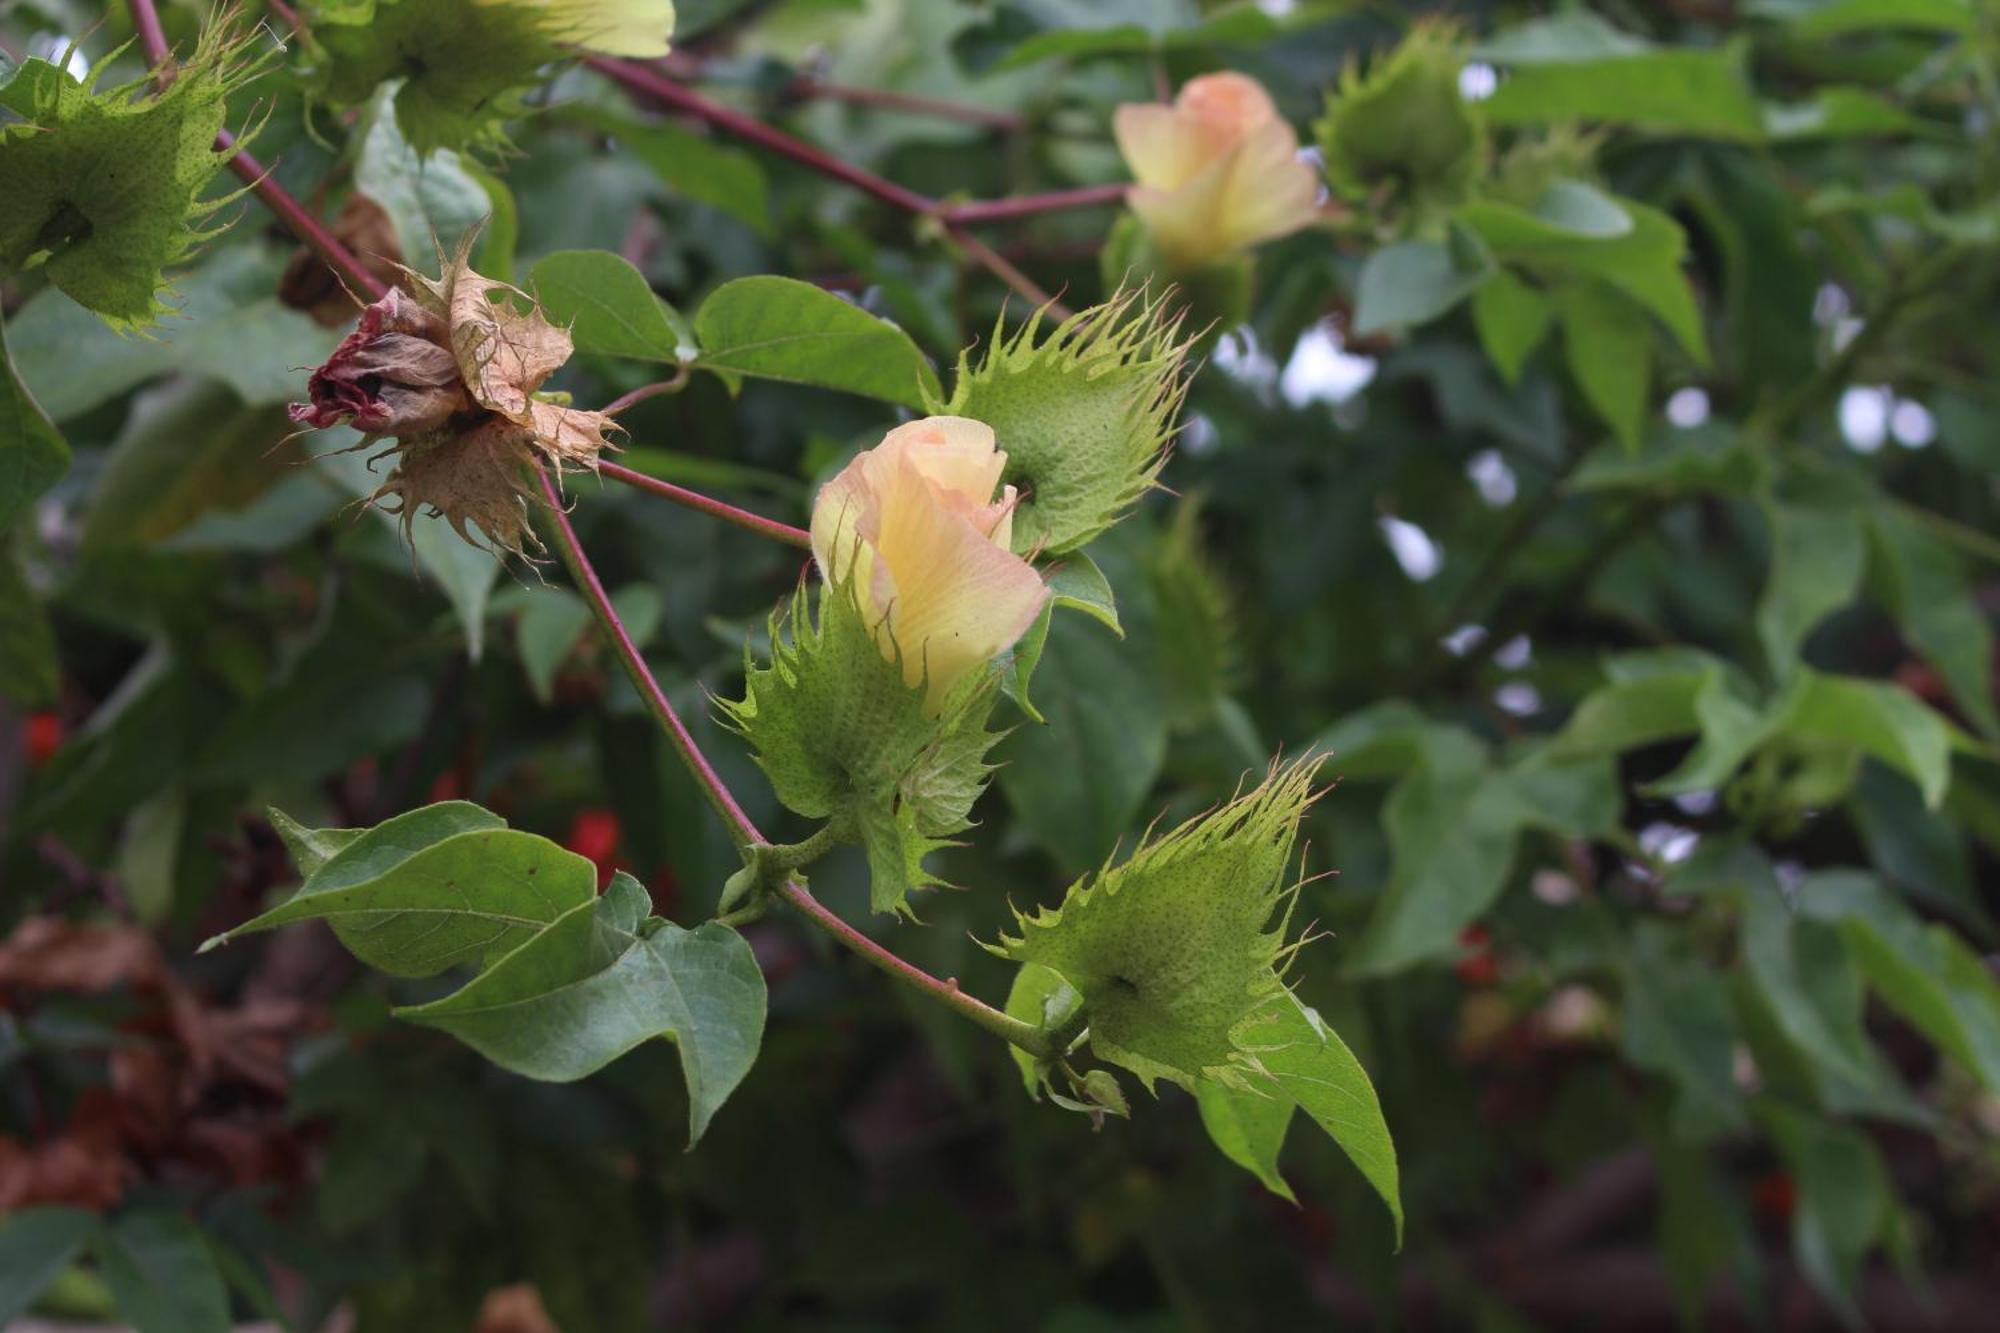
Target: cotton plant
point(939, 555)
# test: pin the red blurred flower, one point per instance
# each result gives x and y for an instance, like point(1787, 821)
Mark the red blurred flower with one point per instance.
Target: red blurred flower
point(1478, 966)
point(1775, 1196)
point(43, 734)
point(594, 835)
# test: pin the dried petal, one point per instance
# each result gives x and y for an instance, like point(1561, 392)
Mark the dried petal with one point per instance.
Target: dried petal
point(394, 375)
point(477, 478)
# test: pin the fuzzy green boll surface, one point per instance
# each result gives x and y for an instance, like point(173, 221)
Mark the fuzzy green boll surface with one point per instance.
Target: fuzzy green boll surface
point(1084, 414)
point(102, 187)
point(1405, 124)
point(842, 737)
point(1175, 948)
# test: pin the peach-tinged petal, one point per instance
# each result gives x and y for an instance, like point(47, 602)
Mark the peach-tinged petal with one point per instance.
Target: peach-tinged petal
point(1271, 193)
point(1161, 147)
point(960, 599)
point(956, 453)
point(1233, 104)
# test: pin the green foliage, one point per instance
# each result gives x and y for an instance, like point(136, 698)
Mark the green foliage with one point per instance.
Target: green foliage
point(843, 738)
point(608, 308)
point(783, 329)
point(105, 188)
point(464, 66)
point(1083, 413)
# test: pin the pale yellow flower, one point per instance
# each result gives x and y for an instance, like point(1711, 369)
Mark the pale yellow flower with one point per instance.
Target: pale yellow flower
point(916, 525)
point(1219, 170)
point(637, 28)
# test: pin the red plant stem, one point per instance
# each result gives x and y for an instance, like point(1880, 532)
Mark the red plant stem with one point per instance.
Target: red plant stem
point(1010, 121)
point(707, 504)
point(647, 83)
point(152, 37)
point(1027, 205)
point(303, 225)
point(999, 265)
point(742, 831)
point(657, 87)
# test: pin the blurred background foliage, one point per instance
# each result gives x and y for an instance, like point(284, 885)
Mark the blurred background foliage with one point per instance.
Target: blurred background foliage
point(1607, 486)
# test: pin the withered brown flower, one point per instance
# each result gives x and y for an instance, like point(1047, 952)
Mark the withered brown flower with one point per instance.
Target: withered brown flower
point(450, 368)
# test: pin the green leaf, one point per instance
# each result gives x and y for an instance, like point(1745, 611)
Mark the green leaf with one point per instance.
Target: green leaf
point(1837, 18)
point(1644, 263)
point(1080, 585)
point(1839, 113)
point(1877, 718)
point(1076, 784)
point(1843, 1198)
point(1817, 550)
point(554, 620)
point(784, 329)
point(1314, 1068)
point(432, 202)
point(36, 1246)
point(190, 449)
point(33, 455)
point(310, 848)
point(1673, 464)
point(1577, 68)
point(230, 327)
point(1083, 413)
point(1923, 584)
point(1676, 1022)
point(1512, 318)
point(609, 307)
point(597, 983)
point(1923, 972)
point(1413, 282)
point(1174, 947)
point(29, 669)
point(693, 165)
point(163, 1275)
point(1247, 1127)
point(1610, 352)
point(1019, 662)
point(437, 887)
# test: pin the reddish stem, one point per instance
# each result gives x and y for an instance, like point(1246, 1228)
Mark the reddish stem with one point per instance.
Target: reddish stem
point(741, 830)
point(647, 83)
point(303, 225)
point(707, 504)
point(1027, 205)
point(1010, 121)
point(1002, 267)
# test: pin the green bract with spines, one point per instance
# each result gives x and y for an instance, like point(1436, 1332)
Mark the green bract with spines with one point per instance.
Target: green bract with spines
point(843, 737)
point(103, 188)
point(1084, 413)
point(1175, 948)
point(1405, 125)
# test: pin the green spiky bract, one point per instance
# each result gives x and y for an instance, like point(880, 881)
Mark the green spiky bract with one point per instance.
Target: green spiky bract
point(1405, 125)
point(843, 737)
point(1174, 949)
point(465, 66)
point(103, 188)
point(1084, 413)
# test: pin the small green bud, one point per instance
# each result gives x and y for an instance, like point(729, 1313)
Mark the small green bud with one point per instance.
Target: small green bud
point(1404, 126)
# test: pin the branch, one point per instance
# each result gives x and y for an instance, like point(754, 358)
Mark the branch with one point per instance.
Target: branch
point(1028, 205)
point(656, 87)
point(806, 86)
point(707, 504)
point(303, 225)
point(1029, 1037)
